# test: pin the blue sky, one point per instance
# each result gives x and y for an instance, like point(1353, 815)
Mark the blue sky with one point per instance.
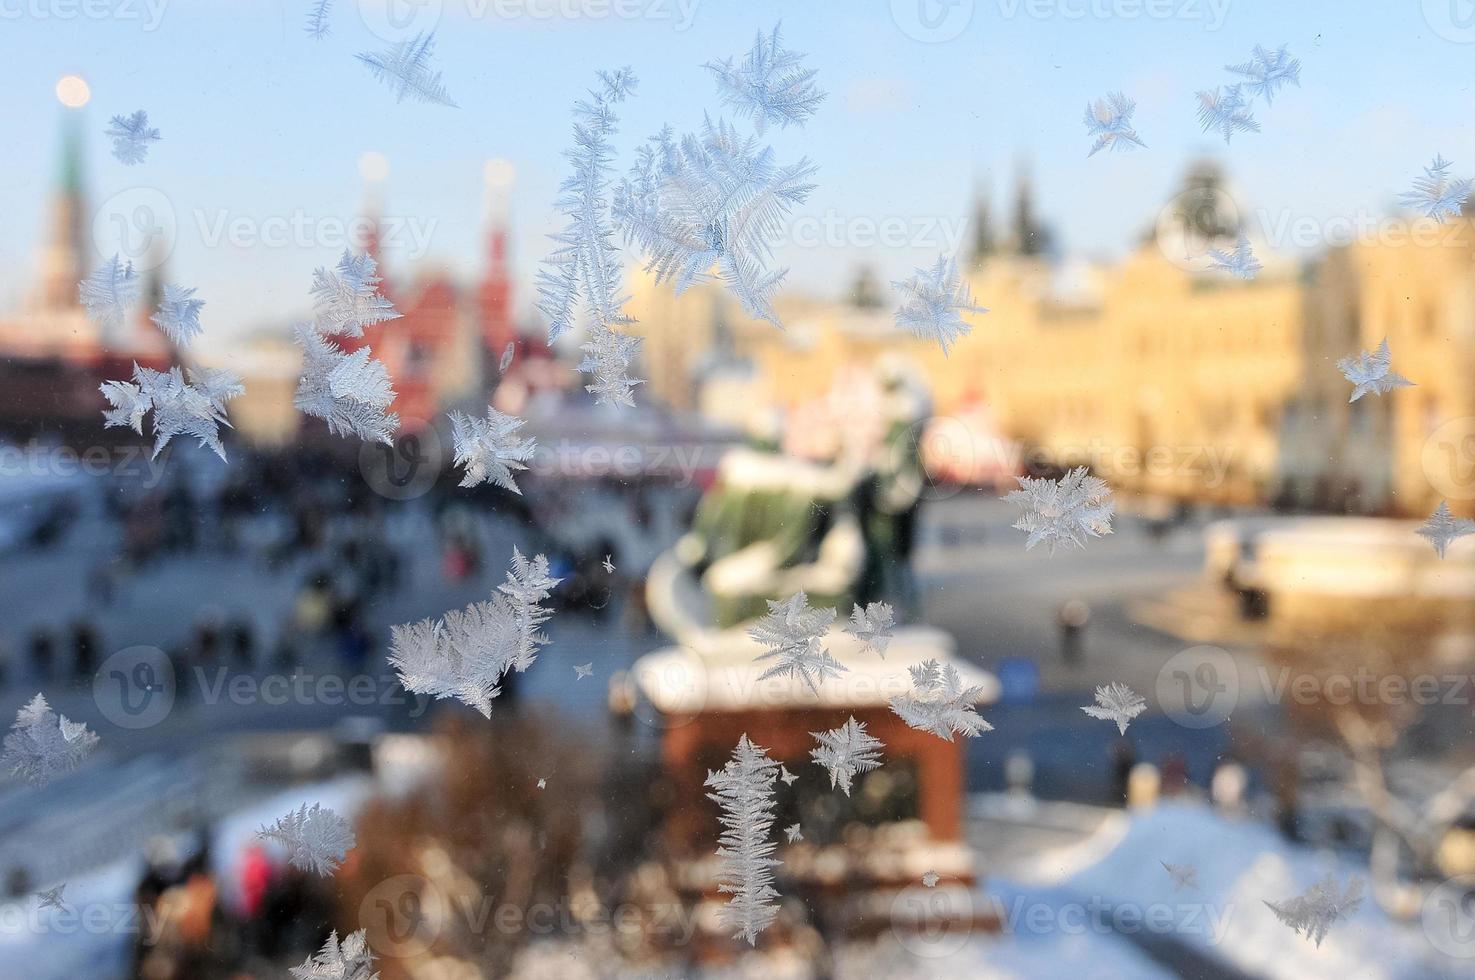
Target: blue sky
point(263, 125)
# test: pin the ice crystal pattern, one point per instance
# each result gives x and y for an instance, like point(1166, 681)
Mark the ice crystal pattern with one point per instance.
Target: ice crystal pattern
point(711, 199)
point(1436, 195)
point(346, 960)
point(1116, 702)
point(1226, 112)
point(846, 752)
point(582, 671)
point(1442, 527)
point(608, 355)
point(464, 654)
point(930, 879)
point(316, 838)
point(1065, 512)
point(405, 67)
point(769, 86)
point(1240, 263)
point(43, 745)
point(506, 361)
point(1267, 71)
point(1110, 121)
point(585, 269)
point(349, 391)
point(131, 136)
point(1317, 909)
point(872, 625)
point(1371, 372)
point(1183, 875)
point(317, 26)
point(51, 898)
point(346, 299)
point(109, 292)
point(793, 833)
point(181, 408)
point(744, 792)
point(794, 635)
point(784, 774)
point(940, 704)
point(178, 314)
point(933, 302)
point(490, 448)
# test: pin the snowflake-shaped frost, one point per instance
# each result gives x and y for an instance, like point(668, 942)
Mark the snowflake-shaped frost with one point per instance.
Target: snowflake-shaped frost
point(1314, 911)
point(1110, 121)
point(348, 391)
point(872, 625)
point(109, 292)
point(317, 26)
point(464, 654)
point(933, 302)
point(406, 68)
point(607, 358)
point(1268, 70)
point(769, 86)
point(793, 833)
point(51, 898)
point(506, 361)
point(179, 314)
point(131, 136)
point(939, 703)
point(1436, 195)
point(1226, 112)
point(43, 745)
point(744, 793)
point(784, 774)
point(794, 635)
point(711, 199)
point(194, 408)
point(930, 879)
point(1184, 875)
point(1116, 702)
point(1442, 527)
point(348, 960)
point(316, 838)
point(846, 752)
point(1066, 512)
point(582, 671)
point(490, 448)
point(585, 268)
point(1370, 372)
point(346, 299)
point(1240, 263)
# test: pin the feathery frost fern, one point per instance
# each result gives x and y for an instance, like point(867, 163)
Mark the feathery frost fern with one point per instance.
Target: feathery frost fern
point(744, 791)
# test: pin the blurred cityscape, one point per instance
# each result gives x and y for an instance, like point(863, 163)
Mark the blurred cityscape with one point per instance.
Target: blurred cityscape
point(1307, 658)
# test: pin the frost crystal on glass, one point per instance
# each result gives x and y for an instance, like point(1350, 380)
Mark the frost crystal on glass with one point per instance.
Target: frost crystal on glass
point(131, 136)
point(607, 358)
point(1064, 512)
point(194, 408)
point(1184, 876)
point(1314, 911)
point(109, 292)
point(346, 299)
point(785, 775)
point(316, 838)
point(1442, 527)
point(872, 625)
point(406, 69)
point(1116, 702)
point(586, 265)
point(317, 26)
point(348, 391)
point(1371, 372)
point(179, 314)
point(769, 86)
point(793, 833)
point(464, 654)
point(43, 745)
point(348, 960)
point(930, 879)
point(1436, 195)
point(51, 898)
point(1267, 71)
point(1226, 113)
point(1240, 263)
point(940, 704)
point(744, 793)
point(1110, 121)
point(846, 752)
point(933, 301)
point(582, 671)
point(794, 635)
point(490, 448)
